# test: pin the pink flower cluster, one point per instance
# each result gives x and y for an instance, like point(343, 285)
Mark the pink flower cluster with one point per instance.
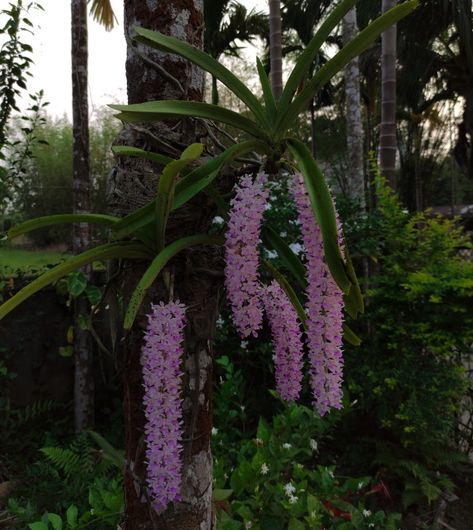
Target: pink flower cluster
point(324, 310)
point(241, 254)
point(161, 360)
point(286, 341)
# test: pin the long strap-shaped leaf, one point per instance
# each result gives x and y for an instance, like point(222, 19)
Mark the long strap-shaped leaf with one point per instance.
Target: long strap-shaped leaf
point(201, 177)
point(324, 211)
point(186, 188)
point(307, 57)
point(157, 266)
point(267, 92)
point(49, 220)
point(109, 251)
point(207, 63)
point(158, 110)
point(272, 240)
point(353, 299)
point(341, 59)
point(348, 335)
point(128, 150)
point(166, 187)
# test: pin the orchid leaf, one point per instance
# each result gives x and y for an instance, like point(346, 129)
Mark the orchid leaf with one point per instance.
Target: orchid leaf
point(267, 91)
point(306, 58)
point(166, 186)
point(273, 241)
point(287, 288)
point(207, 63)
point(50, 220)
point(128, 150)
point(157, 266)
point(341, 59)
point(159, 110)
point(127, 250)
point(324, 211)
point(350, 336)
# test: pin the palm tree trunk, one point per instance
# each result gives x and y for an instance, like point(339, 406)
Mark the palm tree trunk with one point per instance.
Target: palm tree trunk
point(275, 47)
point(83, 372)
point(387, 138)
point(355, 134)
point(133, 184)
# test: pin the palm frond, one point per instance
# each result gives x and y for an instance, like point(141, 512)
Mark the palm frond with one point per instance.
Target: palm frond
point(103, 13)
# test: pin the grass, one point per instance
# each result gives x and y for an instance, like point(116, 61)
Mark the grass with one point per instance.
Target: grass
point(18, 261)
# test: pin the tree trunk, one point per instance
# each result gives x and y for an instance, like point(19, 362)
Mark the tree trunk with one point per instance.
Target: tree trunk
point(275, 47)
point(196, 274)
point(387, 138)
point(83, 374)
point(355, 134)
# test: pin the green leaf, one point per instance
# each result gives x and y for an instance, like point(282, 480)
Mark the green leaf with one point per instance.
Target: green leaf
point(94, 294)
point(267, 91)
point(306, 58)
point(157, 266)
point(109, 251)
point(71, 516)
point(49, 220)
point(207, 63)
point(166, 185)
point(286, 286)
point(221, 495)
point(76, 283)
point(295, 524)
point(159, 110)
point(273, 241)
point(38, 526)
point(194, 182)
point(350, 337)
point(55, 520)
point(200, 178)
point(324, 211)
point(127, 150)
point(340, 60)
point(354, 295)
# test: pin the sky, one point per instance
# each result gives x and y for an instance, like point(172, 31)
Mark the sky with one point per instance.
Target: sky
point(107, 51)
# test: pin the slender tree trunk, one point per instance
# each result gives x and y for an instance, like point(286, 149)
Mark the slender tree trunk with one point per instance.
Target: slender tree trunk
point(196, 275)
point(355, 134)
point(275, 47)
point(387, 138)
point(83, 378)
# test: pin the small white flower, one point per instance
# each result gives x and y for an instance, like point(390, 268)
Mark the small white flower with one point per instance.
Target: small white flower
point(371, 525)
point(366, 513)
point(214, 431)
point(264, 469)
point(360, 485)
point(330, 472)
point(217, 220)
point(313, 515)
point(248, 525)
point(258, 441)
point(242, 407)
point(243, 344)
point(286, 446)
point(293, 499)
point(289, 489)
point(313, 445)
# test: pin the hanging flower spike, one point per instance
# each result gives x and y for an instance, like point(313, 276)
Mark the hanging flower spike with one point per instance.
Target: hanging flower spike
point(241, 254)
point(161, 360)
point(287, 342)
point(324, 310)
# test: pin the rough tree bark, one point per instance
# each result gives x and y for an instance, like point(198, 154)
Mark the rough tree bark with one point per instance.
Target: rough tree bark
point(197, 274)
point(387, 137)
point(275, 47)
point(355, 134)
point(83, 373)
